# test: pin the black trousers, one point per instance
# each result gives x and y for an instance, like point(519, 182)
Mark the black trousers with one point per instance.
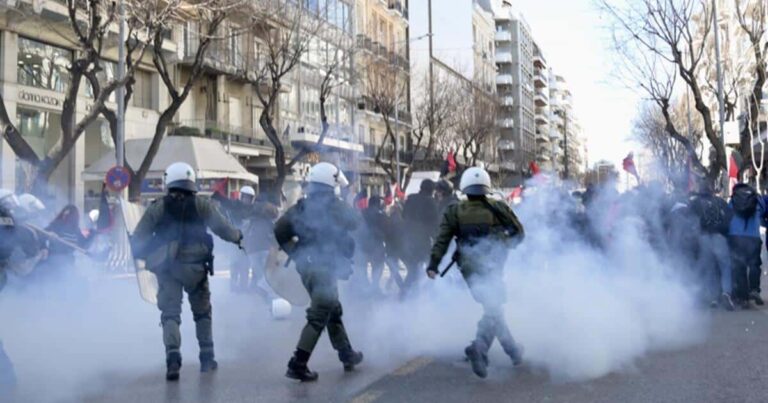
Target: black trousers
point(745, 255)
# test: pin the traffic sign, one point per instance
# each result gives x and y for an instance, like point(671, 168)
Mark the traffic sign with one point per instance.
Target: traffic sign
point(118, 178)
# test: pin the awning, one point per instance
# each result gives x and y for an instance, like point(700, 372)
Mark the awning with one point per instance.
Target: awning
point(208, 157)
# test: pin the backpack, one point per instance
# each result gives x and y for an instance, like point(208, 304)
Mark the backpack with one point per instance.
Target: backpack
point(712, 215)
point(744, 200)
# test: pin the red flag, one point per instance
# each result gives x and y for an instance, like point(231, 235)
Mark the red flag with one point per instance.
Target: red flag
point(451, 158)
point(733, 168)
point(515, 193)
point(399, 192)
point(388, 199)
point(534, 167)
point(629, 165)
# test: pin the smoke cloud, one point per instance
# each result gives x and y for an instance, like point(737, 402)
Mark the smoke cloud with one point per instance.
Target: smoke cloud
point(582, 306)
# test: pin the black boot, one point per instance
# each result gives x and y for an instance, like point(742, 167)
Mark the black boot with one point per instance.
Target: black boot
point(297, 368)
point(173, 363)
point(207, 363)
point(350, 358)
point(516, 354)
point(479, 361)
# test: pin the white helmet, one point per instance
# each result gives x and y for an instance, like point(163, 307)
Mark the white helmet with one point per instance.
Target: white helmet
point(8, 200)
point(280, 308)
point(94, 215)
point(180, 175)
point(327, 174)
point(247, 191)
point(475, 182)
point(31, 204)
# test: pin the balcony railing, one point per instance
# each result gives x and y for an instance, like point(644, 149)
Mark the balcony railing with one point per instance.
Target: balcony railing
point(220, 131)
point(509, 122)
point(541, 100)
point(503, 36)
point(507, 101)
point(397, 7)
point(504, 79)
point(503, 57)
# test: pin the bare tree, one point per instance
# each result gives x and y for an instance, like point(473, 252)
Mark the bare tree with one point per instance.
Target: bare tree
point(475, 124)
point(90, 26)
point(671, 155)
point(286, 29)
point(659, 41)
point(752, 20)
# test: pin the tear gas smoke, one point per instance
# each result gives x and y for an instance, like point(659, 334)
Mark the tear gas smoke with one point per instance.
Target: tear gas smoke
point(581, 311)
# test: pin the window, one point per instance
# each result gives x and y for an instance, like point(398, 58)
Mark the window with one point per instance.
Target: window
point(142, 90)
point(40, 129)
point(43, 66)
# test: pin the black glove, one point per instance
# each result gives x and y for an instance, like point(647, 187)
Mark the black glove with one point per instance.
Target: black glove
point(432, 268)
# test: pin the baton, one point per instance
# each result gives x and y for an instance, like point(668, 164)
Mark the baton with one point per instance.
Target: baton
point(57, 238)
point(453, 262)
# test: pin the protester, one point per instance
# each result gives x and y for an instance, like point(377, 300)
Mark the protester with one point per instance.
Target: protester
point(714, 260)
point(372, 242)
point(744, 239)
point(421, 217)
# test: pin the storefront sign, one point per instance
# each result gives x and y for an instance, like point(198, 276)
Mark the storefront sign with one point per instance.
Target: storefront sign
point(43, 99)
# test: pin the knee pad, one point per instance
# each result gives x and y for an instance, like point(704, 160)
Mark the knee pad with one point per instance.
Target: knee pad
point(202, 315)
point(170, 318)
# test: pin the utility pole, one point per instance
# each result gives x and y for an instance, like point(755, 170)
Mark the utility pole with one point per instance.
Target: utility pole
point(120, 143)
point(720, 92)
point(431, 71)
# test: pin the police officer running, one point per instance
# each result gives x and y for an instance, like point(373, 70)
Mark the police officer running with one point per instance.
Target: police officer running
point(484, 229)
point(172, 237)
point(315, 233)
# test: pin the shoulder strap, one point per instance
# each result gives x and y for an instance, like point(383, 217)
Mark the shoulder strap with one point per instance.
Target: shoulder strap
point(511, 231)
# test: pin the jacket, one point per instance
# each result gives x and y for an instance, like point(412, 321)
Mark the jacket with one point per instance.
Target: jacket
point(159, 228)
point(749, 227)
point(472, 222)
point(315, 232)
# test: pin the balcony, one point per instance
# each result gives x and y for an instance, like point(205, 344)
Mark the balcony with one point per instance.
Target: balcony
point(542, 137)
point(302, 138)
point(507, 101)
point(505, 145)
point(396, 8)
point(503, 36)
point(540, 99)
point(504, 79)
point(363, 42)
point(541, 117)
point(503, 57)
point(507, 123)
point(539, 81)
point(539, 62)
point(220, 131)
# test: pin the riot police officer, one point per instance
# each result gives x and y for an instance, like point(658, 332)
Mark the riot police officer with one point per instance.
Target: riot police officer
point(315, 233)
point(484, 231)
point(172, 237)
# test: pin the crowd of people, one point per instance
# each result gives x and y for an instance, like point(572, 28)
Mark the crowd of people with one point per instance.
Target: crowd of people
point(386, 246)
point(716, 243)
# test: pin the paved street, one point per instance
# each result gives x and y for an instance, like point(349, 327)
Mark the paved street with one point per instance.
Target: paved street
point(69, 365)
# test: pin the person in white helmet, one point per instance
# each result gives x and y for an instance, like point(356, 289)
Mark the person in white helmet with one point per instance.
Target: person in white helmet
point(31, 209)
point(172, 238)
point(484, 230)
point(315, 233)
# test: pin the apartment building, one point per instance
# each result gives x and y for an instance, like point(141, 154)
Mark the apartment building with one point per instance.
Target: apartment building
point(382, 35)
point(542, 111)
point(567, 145)
point(515, 87)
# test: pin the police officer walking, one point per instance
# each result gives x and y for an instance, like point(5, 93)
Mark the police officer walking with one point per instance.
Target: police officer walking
point(315, 233)
point(484, 230)
point(172, 237)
